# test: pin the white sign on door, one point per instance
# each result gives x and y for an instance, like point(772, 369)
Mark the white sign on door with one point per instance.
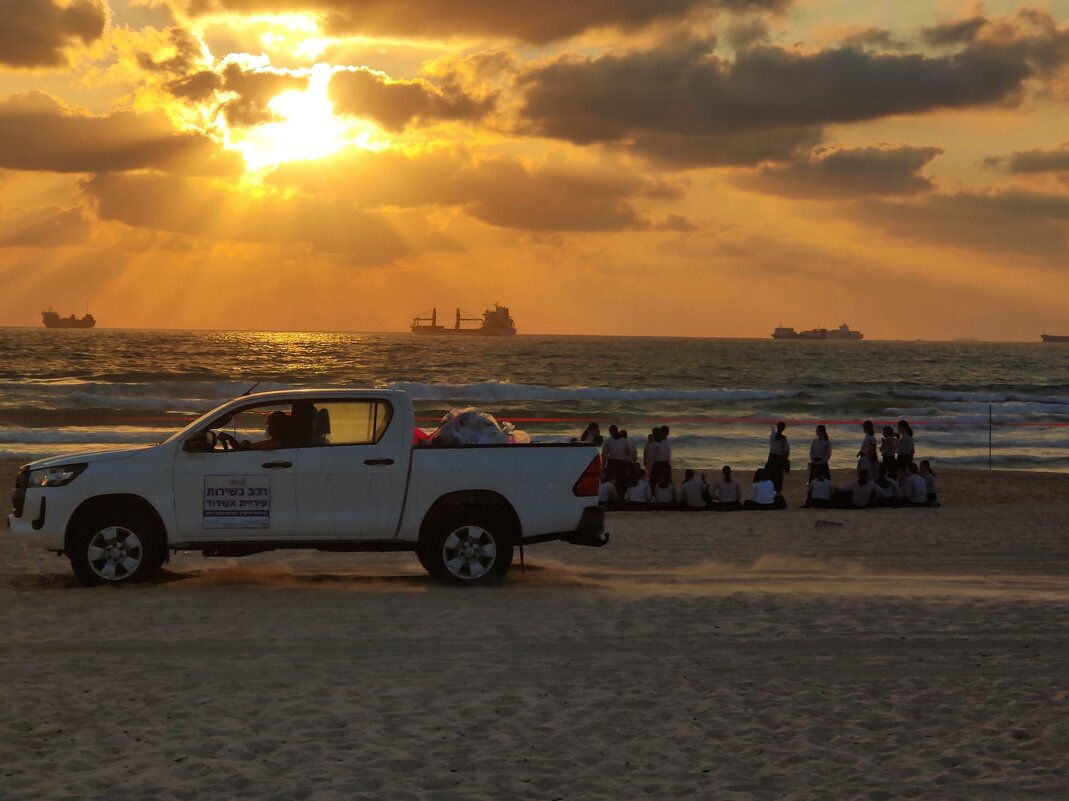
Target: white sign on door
point(237, 502)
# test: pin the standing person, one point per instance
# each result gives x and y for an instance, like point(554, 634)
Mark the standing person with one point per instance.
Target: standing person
point(592, 434)
point(904, 449)
point(633, 468)
point(867, 458)
point(614, 452)
point(693, 491)
point(659, 453)
point(726, 495)
point(888, 443)
point(779, 452)
point(819, 451)
point(646, 462)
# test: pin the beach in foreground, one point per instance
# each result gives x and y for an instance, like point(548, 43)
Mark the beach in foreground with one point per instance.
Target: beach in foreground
point(784, 655)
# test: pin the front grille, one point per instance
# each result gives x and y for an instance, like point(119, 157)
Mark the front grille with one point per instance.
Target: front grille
point(18, 497)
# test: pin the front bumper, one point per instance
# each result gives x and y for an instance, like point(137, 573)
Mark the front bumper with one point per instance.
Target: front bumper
point(39, 520)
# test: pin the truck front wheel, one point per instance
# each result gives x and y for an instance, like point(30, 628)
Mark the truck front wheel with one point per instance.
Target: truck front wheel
point(119, 547)
point(467, 548)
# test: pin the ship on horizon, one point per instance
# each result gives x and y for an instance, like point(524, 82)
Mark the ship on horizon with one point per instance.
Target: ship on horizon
point(52, 319)
point(1054, 337)
point(843, 332)
point(495, 322)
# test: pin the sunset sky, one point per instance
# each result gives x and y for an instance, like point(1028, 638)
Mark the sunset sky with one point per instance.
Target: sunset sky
point(646, 167)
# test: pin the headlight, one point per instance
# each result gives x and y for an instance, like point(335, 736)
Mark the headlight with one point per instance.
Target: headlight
point(56, 476)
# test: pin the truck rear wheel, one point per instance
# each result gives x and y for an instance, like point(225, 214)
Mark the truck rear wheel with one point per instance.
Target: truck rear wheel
point(467, 548)
point(117, 547)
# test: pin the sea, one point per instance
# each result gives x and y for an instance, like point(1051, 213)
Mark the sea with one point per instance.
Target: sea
point(971, 404)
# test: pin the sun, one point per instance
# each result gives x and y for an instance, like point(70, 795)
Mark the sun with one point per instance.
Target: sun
point(307, 128)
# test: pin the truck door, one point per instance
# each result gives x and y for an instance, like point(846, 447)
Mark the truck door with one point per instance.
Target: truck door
point(352, 477)
point(234, 495)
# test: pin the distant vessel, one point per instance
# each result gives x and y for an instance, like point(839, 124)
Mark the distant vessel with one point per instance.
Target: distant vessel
point(1054, 338)
point(53, 320)
point(842, 332)
point(496, 322)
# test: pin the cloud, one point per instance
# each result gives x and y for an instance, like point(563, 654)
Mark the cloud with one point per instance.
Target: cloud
point(1032, 224)
point(498, 191)
point(242, 95)
point(834, 173)
point(44, 227)
point(38, 133)
point(1024, 162)
point(199, 208)
point(34, 33)
point(874, 38)
point(682, 151)
point(693, 92)
point(393, 104)
point(184, 53)
point(547, 21)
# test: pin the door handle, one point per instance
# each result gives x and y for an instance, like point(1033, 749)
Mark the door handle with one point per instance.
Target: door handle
point(374, 462)
point(270, 465)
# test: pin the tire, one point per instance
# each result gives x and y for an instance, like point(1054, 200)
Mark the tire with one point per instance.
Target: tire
point(467, 548)
point(120, 546)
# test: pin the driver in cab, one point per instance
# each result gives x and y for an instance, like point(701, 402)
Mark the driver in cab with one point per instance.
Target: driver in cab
point(278, 424)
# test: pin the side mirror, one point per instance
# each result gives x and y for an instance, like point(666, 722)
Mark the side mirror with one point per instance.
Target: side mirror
point(201, 442)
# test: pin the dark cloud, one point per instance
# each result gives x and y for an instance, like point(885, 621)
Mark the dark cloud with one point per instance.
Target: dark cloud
point(38, 133)
point(872, 38)
point(546, 21)
point(393, 104)
point(497, 191)
point(747, 31)
point(1030, 224)
point(185, 56)
point(254, 90)
point(197, 86)
point(34, 33)
point(44, 227)
point(955, 32)
point(694, 92)
point(835, 173)
point(1033, 161)
point(682, 151)
point(195, 207)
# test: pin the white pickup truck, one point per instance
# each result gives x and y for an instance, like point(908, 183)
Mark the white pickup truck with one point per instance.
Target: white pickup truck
point(342, 472)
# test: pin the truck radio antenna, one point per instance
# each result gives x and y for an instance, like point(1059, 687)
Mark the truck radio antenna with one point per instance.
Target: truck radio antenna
point(250, 389)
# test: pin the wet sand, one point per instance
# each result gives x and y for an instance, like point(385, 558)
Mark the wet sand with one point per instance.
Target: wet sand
point(769, 655)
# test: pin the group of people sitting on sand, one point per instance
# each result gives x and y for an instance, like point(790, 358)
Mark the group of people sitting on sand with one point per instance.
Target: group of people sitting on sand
point(886, 474)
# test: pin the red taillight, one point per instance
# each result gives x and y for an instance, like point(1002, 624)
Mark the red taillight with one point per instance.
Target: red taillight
point(588, 483)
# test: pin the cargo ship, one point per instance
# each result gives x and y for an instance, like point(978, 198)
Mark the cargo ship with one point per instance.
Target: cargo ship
point(843, 332)
point(1054, 338)
point(495, 322)
point(52, 320)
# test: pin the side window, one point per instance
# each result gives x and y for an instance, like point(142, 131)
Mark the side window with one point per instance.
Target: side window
point(360, 422)
point(263, 427)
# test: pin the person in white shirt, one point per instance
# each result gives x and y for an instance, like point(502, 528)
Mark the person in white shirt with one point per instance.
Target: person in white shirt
point(888, 490)
point(659, 455)
point(867, 454)
point(607, 494)
point(819, 451)
point(915, 488)
point(904, 449)
point(638, 494)
point(664, 493)
point(925, 470)
point(693, 491)
point(614, 452)
point(858, 494)
point(726, 494)
point(819, 494)
point(763, 493)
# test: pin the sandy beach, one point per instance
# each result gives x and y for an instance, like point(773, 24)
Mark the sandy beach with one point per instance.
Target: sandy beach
point(789, 655)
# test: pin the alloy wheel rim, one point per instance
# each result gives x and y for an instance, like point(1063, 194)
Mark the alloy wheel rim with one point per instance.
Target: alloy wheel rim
point(469, 552)
point(115, 553)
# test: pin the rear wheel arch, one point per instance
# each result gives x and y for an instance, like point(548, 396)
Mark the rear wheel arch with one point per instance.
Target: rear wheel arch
point(470, 501)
